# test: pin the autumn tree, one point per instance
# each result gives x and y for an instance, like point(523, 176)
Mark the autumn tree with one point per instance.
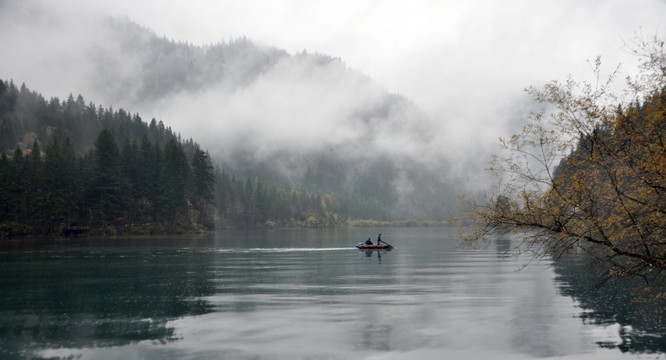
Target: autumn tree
point(589, 173)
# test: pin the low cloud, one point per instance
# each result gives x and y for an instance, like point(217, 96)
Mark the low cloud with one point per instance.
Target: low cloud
point(463, 66)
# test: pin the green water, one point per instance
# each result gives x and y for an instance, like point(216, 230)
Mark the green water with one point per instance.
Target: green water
point(294, 294)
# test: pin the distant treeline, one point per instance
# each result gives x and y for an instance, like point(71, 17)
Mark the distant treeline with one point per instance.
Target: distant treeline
point(251, 204)
point(108, 188)
point(68, 165)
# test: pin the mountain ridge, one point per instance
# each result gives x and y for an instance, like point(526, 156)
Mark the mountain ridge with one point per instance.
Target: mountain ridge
point(304, 121)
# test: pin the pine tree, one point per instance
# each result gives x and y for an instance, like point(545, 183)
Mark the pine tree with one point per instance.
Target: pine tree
point(35, 195)
point(174, 174)
point(203, 178)
point(6, 191)
point(17, 187)
point(108, 193)
point(61, 168)
point(202, 186)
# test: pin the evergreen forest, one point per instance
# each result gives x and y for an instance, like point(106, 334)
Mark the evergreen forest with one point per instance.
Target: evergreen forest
point(71, 167)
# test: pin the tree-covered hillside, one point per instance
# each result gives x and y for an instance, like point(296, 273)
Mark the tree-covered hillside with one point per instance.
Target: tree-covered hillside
point(304, 121)
point(26, 116)
point(70, 166)
point(135, 66)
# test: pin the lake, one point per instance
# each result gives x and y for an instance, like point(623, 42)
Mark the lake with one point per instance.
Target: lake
point(302, 294)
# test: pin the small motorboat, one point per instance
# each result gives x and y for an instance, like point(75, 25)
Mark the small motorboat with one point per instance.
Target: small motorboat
point(363, 246)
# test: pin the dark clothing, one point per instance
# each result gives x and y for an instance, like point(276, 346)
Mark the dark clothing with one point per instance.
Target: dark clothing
point(368, 242)
point(379, 238)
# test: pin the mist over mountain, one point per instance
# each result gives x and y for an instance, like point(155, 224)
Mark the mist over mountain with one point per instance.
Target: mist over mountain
point(143, 68)
point(304, 121)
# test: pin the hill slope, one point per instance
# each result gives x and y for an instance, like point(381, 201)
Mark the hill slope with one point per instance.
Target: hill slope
point(305, 121)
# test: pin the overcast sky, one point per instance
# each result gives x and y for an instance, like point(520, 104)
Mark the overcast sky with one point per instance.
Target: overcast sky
point(438, 53)
point(464, 62)
point(426, 50)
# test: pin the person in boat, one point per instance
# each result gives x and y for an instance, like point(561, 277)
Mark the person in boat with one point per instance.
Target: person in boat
point(368, 242)
point(379, 239)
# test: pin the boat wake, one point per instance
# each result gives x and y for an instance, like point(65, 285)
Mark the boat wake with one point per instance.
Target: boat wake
point(281, 250)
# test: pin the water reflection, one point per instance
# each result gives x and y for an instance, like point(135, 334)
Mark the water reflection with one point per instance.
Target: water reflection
point(621, 322)
point(612, 304)
point(378, 253)
point(75, 295)
point(288, 294)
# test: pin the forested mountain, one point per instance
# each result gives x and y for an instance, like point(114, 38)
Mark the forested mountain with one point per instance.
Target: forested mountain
point(26, 116)
point(302, 121)
point(134, 66)
point(71, 166)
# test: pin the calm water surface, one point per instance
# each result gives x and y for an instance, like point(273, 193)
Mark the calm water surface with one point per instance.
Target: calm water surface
point(297, 294)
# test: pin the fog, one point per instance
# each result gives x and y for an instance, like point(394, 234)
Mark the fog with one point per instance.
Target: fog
point(461, 67)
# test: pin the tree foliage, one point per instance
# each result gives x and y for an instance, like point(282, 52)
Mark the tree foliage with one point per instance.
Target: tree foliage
point(251, 204)
point(72, 164)
point(106, 188)
point(589, 173)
